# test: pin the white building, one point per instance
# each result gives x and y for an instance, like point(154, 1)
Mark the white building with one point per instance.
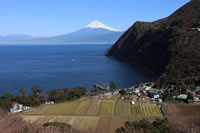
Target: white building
point(26, 108)
point(49, 102)
point(136, 90)
point(132, 102)
point(147, 88)
point(16, 107)
point(195, 99)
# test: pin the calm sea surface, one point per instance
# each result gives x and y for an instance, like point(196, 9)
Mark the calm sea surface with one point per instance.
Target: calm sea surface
point(63, 66)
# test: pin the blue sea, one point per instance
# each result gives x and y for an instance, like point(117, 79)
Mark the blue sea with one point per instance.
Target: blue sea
point(63, 66)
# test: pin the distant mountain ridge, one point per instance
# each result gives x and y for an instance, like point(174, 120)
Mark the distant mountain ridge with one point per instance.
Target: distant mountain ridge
point(15, 37)
point(94, 33)
point(168, 47)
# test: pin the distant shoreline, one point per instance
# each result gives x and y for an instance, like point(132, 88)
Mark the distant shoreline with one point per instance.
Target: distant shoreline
point(40, 44)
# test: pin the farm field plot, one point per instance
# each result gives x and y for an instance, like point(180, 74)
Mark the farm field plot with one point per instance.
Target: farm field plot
point(82, 107)
point(94, 107)
point(136, 109)
point(43, 119)
point(37, 110)
point(183, 116)
point(122, 107)
point(117, 122)
point(82, 123)
point(32, 118)
point(107, 107)
point(64, 108)
point(87, 123)
point(104, 124)
point(146, 109)
point(149, 118)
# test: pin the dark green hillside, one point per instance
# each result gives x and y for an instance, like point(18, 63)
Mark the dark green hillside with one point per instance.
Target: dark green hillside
point(169, 47)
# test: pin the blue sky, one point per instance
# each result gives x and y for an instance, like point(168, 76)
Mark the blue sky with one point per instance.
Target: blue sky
point(55, 17)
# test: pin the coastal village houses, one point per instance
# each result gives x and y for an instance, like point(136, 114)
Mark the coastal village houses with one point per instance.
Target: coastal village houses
point(16, 107)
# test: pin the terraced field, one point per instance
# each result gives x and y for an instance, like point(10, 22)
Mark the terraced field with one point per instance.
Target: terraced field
point(38, 110)
point(67, 108)
point(122, 107)
point(94, 107)
point(107, 107)
point(95, 114)
point(61, 109)
point(82, 107)
point(88, 122)
point(83, 123)
point(104, 124)
point(136, 110)
point(117, 122)
point(146, 109)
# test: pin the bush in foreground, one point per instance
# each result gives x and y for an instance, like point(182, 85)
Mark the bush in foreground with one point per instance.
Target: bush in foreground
point(15, 124)
point(144, 126)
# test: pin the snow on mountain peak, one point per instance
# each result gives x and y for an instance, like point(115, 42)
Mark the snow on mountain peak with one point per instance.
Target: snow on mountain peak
point(97, 24)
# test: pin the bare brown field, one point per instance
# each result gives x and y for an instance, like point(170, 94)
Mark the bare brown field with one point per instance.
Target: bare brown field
point(83, 123)
point(183, 116)
point(149, 118)
point(94, 107)
point(117, 122)
point(32, 118)
point(104, 124)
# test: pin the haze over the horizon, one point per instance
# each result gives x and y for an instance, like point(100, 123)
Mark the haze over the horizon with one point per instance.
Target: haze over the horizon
point(51, 17)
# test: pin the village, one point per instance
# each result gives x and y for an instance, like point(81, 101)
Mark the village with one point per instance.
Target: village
point(17, 107)
point(142, 93)
point(108, 105)
point(147, 93)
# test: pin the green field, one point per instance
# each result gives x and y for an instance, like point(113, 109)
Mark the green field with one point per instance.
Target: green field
point(107, 107)
point(88, 122)
point(74, 113)
point(146, 109)
point(136, 110)
point(64, 108)
point(83, 106)
point(122, 107)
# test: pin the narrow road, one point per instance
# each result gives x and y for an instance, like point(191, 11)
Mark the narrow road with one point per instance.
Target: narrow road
point(163, 107)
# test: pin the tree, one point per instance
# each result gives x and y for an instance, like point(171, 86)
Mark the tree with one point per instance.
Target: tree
point(190, 97)
point(112, 85)
point(36, 90)
point(144, 126)
point(8, 96)
point(183, 91)
point(63, 127)
point(6, 101)
point(22, 92)
point(122, 92)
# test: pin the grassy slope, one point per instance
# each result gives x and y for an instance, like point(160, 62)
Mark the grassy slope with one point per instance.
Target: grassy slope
point(64, 108)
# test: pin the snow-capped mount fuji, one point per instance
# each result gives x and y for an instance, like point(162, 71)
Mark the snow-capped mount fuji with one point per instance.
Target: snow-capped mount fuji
point(94, 33)
point(97, 24)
